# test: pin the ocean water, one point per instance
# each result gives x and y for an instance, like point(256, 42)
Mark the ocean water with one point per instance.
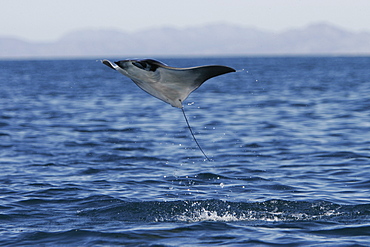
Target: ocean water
point(89, 159)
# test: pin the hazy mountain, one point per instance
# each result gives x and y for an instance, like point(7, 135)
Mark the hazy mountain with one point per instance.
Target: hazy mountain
point(215, 39)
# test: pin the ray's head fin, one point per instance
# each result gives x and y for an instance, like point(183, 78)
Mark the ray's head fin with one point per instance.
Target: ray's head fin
point(109, 64)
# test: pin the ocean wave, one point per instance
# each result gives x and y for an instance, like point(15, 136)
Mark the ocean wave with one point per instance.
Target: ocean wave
point(225, 211)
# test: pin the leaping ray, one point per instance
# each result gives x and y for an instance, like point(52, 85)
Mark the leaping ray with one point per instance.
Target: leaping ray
point(170, 84)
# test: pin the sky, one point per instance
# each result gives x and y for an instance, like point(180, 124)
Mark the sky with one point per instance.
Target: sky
point(46, 20)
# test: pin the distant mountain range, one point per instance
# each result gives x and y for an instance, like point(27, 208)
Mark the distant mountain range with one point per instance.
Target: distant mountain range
point(209, 40)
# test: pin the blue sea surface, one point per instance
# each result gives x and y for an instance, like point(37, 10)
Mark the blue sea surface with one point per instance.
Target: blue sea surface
point(89, 159)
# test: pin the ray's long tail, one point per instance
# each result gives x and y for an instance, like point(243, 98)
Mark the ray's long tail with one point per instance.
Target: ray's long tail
point(191, 132)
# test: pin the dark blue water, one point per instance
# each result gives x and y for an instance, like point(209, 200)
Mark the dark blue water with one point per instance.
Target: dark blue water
point(89, 159)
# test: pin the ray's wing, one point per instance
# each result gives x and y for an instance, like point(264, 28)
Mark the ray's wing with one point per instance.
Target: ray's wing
point(177, 83)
